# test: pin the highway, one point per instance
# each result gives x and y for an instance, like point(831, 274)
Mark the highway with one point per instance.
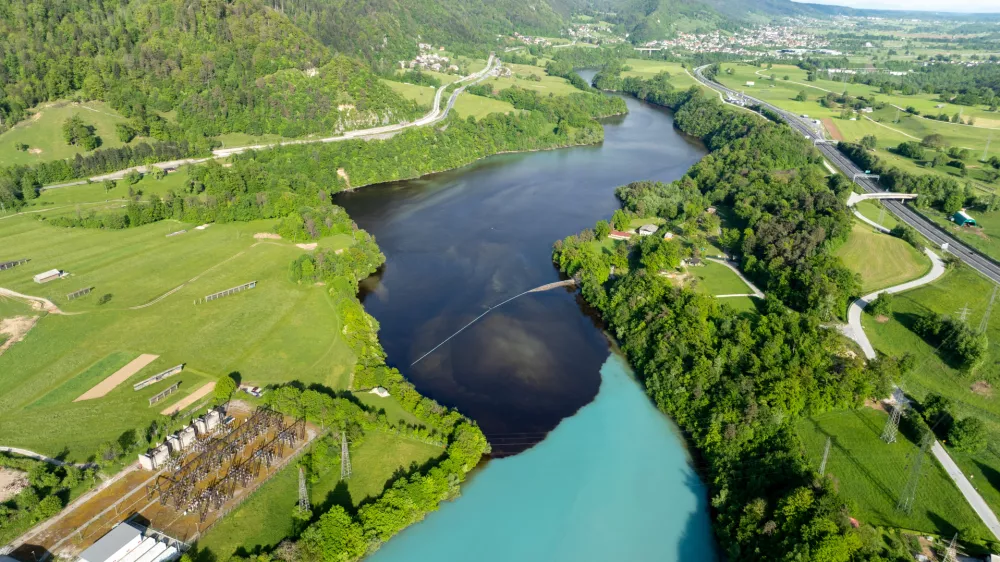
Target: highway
point(924, 226)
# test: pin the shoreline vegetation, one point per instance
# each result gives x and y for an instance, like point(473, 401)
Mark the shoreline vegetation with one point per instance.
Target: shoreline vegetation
point(294, 185)
point(735, 382)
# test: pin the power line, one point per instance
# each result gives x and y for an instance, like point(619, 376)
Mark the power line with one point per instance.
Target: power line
point(303, 492)
point(984, 322)
point(892, 424)
point(345, 456)
point(826, 455)
point(909, 493)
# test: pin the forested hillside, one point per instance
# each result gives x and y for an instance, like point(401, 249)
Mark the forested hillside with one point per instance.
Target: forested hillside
point(388, 30)
point(214, 61)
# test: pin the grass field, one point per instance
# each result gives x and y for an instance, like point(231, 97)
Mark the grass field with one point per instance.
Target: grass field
point(644, 68)
point(870, 474)
point(957, 289)
point(478, 106)
point(43, 132)
point(274, 333)
point(548, 84)
point(873, 210)
point(266, 518)
point(881, 259)
point(424, 95)
point(717, 279)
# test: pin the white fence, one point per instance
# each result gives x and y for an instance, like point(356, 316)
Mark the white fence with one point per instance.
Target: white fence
point(159, 377)
point(228, 292)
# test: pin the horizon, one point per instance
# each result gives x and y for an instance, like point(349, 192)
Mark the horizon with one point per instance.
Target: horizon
point(967, 7)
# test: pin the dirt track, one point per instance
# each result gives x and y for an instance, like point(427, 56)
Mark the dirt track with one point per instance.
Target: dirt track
point(119, 376)
point(190, 399)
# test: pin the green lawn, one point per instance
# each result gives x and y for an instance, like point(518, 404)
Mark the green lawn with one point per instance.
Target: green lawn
point(881, 259)
point(266, 518)
point(393, 411)
point(424, 95)
point(717, 279)
point(274, 333)
point(871, 474)
point(545, 86)
point(478, 106)
point(645, 68)
point(876, 211)
point(43, 132)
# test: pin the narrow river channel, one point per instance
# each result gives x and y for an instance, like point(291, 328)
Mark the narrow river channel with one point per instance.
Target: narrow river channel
point(612, 481)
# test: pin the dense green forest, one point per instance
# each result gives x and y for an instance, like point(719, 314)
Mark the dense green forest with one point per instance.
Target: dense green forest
point(737, 382)
point(223, 65)
point(275, 183)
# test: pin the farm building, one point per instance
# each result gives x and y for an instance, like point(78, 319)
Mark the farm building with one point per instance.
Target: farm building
point(962, 218)
point(647, 229)
point(668, 236)
point(47, 276)
point(619, 235)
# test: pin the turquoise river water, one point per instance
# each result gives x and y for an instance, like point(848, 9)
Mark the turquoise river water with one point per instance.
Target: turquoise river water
point(612, 482)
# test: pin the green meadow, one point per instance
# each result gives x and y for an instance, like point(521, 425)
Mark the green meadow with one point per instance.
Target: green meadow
point(881, 260)
point(42, 132)
point(277, 332)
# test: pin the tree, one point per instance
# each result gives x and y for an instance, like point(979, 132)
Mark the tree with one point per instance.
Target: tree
point(620, 220)
point(802, 96)
point(729, 239)
point(133, 177)
point(109, 185)
point(224, 388)
point(602, 229)
point(881, 306)
point(936, 141)
point(125, 132)
point(936, 409)
point(953, 202)
point(968, 435)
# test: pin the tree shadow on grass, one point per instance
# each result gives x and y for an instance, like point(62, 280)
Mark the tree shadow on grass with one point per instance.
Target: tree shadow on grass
point(991, 474)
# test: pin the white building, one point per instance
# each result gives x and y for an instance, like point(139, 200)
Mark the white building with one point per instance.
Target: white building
point(47, 276)
point(114, 546)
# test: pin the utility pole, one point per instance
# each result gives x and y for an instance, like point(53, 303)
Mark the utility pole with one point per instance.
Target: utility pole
point(826, 455)
point(909, 494)
point(345, 456)
point(985, 321)
point(897, 116)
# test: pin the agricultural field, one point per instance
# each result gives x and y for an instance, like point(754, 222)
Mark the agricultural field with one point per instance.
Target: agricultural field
point(871, 474)
point(545, 85)
point(645, 68)
point(469, 105)
point(424, 95)
point(274, 333)
point(44, 137)
point(265, 519)
point(881, 260)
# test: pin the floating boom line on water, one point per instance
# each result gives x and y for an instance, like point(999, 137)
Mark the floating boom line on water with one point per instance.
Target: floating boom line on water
point(545, 287)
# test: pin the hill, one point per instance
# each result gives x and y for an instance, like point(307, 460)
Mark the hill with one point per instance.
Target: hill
point(220, 64)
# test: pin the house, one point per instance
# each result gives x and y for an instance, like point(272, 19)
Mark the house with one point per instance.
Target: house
point(710, 210)
point(962, 218)
point(668, 236)
point(647, 229)
point(619, 235)
point(379, 391)
point(693, 262)
point(750, 83)
point(114, 546)
point(47, 276)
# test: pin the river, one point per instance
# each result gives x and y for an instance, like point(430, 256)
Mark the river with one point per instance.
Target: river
point(460, 242)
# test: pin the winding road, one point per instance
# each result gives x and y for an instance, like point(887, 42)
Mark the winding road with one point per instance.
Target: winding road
point(435, 115)
point(924, 226)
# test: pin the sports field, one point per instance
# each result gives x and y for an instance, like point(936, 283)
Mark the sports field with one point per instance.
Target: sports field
point(274, 333)
point(881, 259)
point(871, 474)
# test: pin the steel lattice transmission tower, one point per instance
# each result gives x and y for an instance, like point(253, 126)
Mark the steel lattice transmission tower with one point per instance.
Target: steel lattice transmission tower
point(909, 494)
point(951, 553)
point(985, 321)
point(892, 424)
point(826, 455)
point(303, 492)
point(345, 456)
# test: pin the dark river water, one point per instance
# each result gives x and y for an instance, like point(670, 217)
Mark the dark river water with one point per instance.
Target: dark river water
point(462, 241)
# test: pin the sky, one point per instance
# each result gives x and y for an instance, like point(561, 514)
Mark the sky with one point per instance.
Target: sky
point(929, 5)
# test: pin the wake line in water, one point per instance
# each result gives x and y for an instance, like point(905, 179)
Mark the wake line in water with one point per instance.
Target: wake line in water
point(546, 287)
